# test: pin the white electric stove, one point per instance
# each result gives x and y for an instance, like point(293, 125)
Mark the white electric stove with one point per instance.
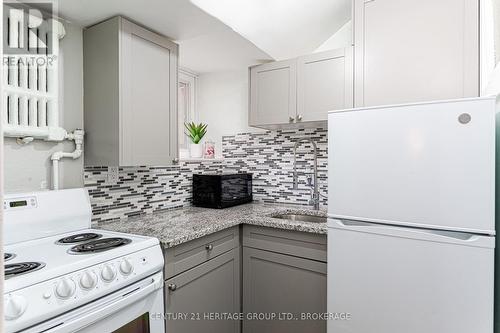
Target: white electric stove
point(63, 276)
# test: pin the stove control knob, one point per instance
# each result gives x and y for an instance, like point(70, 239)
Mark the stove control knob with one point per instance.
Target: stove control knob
point(108, 273)
point(65, 288)
point(88, 280)
point(126, 267)
point(14, 307)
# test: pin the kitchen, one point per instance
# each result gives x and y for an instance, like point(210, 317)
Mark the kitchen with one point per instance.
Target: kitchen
point(245, 166)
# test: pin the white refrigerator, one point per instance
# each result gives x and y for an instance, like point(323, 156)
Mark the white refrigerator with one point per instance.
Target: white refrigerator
point(411, 218)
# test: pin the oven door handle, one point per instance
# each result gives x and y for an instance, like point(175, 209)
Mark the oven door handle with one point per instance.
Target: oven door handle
point(100, 311)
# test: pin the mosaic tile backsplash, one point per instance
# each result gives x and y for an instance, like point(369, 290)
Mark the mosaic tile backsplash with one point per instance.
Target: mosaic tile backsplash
point(268, 156)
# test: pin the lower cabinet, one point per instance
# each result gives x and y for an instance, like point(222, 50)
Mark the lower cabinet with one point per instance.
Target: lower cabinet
point(281, 285)
point(203, 292)
point(216, 284)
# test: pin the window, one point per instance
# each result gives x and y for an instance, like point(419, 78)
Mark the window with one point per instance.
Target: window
point(186, 106)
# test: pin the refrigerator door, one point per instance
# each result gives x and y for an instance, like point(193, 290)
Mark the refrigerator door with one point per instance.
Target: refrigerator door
point(428, 164)
point(392, 280)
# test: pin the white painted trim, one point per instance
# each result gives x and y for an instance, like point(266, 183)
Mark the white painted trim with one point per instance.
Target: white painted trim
point(188, 72)
point(190, 78)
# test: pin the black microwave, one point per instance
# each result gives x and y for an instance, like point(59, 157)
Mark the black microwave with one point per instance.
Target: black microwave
point(221, 190)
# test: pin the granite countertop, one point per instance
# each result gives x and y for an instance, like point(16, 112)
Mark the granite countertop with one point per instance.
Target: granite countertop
point(174, 227)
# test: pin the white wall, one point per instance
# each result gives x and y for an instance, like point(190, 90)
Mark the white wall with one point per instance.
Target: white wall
point(341, 38)
point(223, 104)
point(27, 168)
point(223, 96)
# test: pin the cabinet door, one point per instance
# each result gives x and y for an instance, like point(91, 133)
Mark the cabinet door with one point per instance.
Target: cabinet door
point(101, 93)
point(148, 101)
point(210, 288)
point(273, 89)
point(277, 283)
point(324, 83)
point(415, 50)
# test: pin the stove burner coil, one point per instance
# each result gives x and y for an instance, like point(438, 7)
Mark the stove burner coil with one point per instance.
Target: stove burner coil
point(20, 268)
point(78, 238)
point(99, 245)
point(8, 256)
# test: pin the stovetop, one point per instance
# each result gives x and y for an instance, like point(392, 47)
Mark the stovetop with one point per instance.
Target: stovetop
point(20, 268)
point(56, 263)
point(42, 259)
point(79, 238)
point(99, 245)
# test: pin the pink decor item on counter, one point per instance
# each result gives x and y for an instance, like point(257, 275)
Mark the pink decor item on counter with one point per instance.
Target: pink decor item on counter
point(209, 151)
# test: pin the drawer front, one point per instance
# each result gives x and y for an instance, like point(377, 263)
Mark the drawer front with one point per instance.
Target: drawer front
point(295, 243)
point(185, 256)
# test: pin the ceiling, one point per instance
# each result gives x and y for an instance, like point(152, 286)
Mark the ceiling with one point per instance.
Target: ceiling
point(272, 29)
point(282, 28)
point(206, 44)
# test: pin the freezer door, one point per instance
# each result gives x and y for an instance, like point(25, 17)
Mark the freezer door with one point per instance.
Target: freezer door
point(422, 164)
point(394, 280)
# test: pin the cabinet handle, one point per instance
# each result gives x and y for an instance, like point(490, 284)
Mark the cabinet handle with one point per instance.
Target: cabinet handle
point(291, 119)
point(367, 1)
point(172, 286)
point(209, 247)
point(299, 117)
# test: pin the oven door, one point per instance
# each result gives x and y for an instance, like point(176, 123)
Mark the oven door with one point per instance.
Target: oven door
point(136, 309)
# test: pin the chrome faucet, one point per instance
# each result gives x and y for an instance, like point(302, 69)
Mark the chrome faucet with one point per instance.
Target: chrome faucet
point(314, 186)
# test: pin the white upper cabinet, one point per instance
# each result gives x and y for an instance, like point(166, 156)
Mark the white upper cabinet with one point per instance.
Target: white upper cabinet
point(130, 78)
point(301, 90)
point(415, 50)
point(324, 83)
point(273, 89)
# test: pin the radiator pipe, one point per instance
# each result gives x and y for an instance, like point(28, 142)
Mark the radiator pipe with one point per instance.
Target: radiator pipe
point(77, 136)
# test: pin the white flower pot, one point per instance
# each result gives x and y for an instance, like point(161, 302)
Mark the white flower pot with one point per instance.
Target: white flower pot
point(196, 150)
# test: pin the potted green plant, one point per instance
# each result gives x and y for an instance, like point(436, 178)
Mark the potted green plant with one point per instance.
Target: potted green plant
point(196, 132)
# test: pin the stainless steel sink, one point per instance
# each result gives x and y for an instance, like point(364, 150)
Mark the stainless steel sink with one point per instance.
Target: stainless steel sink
point(301, 217)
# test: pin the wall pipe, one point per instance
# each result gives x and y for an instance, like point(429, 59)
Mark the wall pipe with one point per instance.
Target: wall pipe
point(77, 136)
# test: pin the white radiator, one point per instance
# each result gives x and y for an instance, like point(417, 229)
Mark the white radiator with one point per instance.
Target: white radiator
point(31, 77)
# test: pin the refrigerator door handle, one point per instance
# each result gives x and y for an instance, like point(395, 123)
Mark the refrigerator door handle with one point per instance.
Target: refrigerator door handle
point(456, 237)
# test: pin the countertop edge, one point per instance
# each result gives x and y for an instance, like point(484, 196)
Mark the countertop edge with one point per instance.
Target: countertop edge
point(180, 223)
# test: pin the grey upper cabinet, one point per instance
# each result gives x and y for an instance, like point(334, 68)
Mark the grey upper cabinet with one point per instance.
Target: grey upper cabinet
point(301, 90)
point(130, 99)
point(324, 83)
point(212, 287)
point(273, 89)
point(415, 50)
